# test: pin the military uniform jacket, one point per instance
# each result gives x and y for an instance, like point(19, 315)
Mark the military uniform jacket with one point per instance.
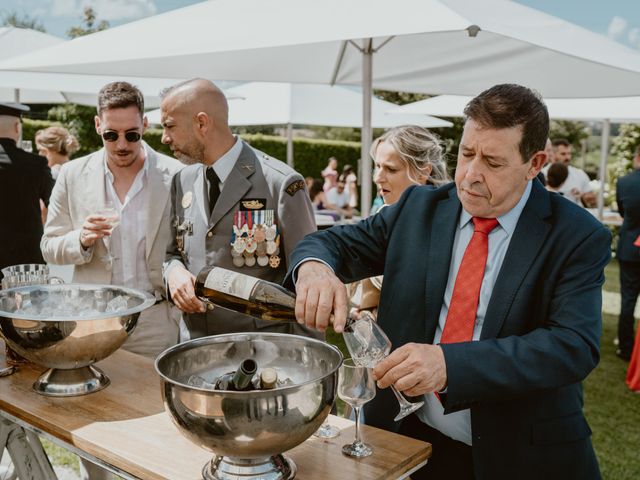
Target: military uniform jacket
point(25, 179)
point(257, 182)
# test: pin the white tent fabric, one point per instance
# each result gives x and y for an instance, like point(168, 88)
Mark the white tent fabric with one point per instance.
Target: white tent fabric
point(431, 46)
point(605, 110)
point(616, 109)
point(38, 87)
point(266, 103)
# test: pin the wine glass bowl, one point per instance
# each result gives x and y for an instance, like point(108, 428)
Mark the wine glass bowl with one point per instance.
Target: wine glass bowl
point(368, 345)
point(111, 214)
point(356, 387)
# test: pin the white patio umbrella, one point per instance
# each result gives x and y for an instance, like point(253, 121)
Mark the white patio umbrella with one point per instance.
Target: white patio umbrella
point(605, 110)
point(431, 46)
point(287, 104)
point(38, 87)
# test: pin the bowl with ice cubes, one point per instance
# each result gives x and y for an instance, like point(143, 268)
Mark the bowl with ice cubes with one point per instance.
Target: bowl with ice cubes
point(67, 328)
point(248, 430)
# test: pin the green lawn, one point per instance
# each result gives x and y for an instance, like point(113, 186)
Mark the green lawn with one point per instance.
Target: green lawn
point(612, 276)
point(613, 412)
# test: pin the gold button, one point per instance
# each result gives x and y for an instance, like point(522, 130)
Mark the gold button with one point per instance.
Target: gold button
point(209, 306)
point(210, 234)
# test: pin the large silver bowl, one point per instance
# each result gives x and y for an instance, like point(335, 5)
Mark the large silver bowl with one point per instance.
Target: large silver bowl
point(249, 430)
point(69, 344)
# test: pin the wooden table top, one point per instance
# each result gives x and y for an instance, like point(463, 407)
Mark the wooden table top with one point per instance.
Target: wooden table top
point(125, 425)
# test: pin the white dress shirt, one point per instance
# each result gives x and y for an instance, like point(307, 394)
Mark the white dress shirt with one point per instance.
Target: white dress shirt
point(128, 239)
point(457, 425)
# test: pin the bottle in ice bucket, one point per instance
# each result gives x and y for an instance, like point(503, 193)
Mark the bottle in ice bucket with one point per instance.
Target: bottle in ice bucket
point(268, 379)
point(245, 294)
point(241, 379)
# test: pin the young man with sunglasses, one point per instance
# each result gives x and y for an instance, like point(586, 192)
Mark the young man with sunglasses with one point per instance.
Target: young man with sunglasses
point(130, 178)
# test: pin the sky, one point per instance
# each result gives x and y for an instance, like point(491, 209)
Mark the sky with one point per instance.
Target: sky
point(617, 19)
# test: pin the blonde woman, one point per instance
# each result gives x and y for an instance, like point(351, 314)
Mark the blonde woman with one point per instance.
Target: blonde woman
point(403, 156)
point(57, 144)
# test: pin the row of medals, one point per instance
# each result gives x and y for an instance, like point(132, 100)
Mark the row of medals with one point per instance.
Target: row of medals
point(255, 239)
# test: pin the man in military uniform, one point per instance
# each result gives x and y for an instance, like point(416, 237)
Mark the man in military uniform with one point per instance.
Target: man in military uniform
point(233, 207)
point(25, 179)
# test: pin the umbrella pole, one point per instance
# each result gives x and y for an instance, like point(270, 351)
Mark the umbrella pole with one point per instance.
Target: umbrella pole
point(365, 141)
point(290, 145)
point(604, 153)
point(16, 95)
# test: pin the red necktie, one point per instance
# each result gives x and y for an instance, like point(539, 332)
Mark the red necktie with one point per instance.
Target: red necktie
point(461, 317)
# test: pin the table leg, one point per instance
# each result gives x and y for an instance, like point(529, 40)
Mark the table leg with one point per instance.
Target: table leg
point(25, 449)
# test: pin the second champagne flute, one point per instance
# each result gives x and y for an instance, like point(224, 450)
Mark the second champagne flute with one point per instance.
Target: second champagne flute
point(356, 387)
point(368, 344)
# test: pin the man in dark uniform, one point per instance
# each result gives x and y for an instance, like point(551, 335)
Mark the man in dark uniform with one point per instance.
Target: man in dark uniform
point(25, 179)
point(628, 198)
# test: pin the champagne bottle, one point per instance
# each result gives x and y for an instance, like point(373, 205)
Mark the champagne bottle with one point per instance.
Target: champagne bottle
point(268, 379)
point(245, 294)
point(240, 380)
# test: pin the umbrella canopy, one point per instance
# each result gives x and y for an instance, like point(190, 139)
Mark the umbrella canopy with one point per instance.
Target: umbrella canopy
point(305, 104)
point(616, 109)
point(431, 46)
point(36, 87)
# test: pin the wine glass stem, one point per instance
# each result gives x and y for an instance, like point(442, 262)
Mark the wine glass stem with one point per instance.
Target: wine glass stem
point(357, 411)
point(401, 400)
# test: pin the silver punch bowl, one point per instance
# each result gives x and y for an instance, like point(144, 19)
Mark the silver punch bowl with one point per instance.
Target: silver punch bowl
point(67, 328)
point(249, 430)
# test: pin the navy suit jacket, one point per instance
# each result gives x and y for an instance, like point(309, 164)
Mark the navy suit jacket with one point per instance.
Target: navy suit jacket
point(541, 333)
point(628, 199)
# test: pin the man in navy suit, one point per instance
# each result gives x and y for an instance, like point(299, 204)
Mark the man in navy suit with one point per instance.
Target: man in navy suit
point(628, 199)
point(509, 380)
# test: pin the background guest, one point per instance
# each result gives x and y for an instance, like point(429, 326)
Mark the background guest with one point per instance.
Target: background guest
point(330, 174)
point(339, 197)
point(351, 181)
point(56, 144)
point(403, 156)
point(628, 253)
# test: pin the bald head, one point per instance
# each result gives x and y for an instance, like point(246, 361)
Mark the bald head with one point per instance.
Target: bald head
point(195, 116)
point(199, 95)
point(9, 127)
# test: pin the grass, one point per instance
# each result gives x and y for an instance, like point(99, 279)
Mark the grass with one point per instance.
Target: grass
point(61, 456)
point(613, 411)
point(612, 277)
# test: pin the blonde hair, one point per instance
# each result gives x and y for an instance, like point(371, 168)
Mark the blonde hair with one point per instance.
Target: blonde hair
point(57, 139)
point(419, 149)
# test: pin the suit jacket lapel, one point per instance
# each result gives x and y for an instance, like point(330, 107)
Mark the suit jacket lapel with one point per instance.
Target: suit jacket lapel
point(235, 186)
point(443, 230)
point(159, 188)
point(528, 237)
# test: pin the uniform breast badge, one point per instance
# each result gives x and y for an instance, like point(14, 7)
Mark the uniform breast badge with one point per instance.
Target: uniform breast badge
point(255, 237)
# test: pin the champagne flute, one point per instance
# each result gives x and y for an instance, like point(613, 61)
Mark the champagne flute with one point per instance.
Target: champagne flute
point(112, 218)
point(368, 344)
point(356, 387)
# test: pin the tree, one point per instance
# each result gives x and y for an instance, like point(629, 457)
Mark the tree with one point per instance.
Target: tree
point(14, 19)
point(88, 27)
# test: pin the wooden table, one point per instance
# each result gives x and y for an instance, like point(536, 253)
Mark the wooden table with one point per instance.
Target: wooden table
point(125, 428)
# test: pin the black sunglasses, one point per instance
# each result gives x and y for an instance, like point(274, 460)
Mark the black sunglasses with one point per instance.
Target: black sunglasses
point(112, 136)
